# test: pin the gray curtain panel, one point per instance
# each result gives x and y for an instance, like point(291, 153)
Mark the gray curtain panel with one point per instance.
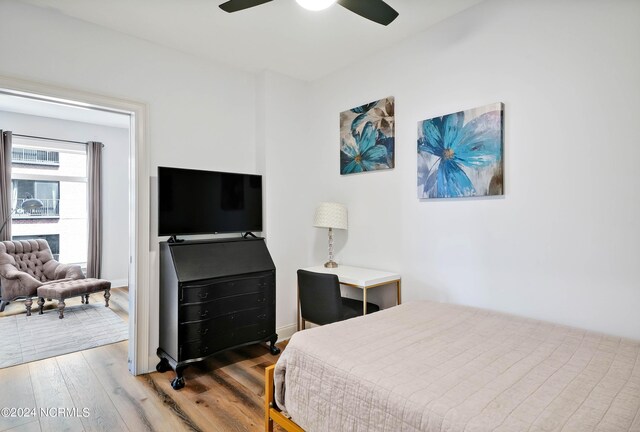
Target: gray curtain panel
point(5, 183)
point(94, 196)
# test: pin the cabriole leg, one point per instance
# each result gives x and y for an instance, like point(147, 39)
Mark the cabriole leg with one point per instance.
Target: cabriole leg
point(61, 306)
point(178, 382)
point(273, 348)
point(28, 302)
point(163, 366)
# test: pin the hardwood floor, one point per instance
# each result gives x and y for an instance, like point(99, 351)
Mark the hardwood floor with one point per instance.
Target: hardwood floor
point(225, 394)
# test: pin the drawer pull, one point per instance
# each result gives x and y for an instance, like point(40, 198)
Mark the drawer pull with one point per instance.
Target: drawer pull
point(262, 300)
point(204, 314)
point(204, 331)
point(204, 350)
point(262, 332)
point(262, 316)
point(204, 295)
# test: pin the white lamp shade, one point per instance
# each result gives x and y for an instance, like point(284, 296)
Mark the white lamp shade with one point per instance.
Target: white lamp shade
point(331, 215)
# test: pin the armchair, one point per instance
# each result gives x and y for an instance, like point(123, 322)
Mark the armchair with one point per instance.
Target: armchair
point(26, 265)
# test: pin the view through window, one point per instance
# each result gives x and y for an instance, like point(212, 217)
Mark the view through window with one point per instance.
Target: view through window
point(52, 239)
point(55, 173)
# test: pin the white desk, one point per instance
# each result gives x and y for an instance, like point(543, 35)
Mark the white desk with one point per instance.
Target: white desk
point(359, 277)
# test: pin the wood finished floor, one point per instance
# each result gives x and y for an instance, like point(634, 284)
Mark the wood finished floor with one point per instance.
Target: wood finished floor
point(225, 394)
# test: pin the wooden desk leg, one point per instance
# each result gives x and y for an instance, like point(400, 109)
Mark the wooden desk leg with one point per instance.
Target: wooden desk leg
point(364, 300)
point(398, 288)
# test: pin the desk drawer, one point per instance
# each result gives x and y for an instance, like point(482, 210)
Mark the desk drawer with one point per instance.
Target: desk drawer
point(224, 324)
point(253, 333)
point(211, 290)
point(209, 345)
point(224, 306)
point(198, 349)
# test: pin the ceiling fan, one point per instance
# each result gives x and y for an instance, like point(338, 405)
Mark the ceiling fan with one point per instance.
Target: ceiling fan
point(373, 10)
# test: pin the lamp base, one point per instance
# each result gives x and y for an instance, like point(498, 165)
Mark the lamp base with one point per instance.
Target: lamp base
point(331, 264)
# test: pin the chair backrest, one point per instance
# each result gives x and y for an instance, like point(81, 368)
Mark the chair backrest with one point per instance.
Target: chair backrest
point(320, 300)
point(28, 256)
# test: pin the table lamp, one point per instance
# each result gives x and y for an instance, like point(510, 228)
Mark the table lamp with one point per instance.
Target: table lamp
point(331, 215)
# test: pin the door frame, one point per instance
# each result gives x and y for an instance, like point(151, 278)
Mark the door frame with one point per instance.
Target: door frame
point(139, 222)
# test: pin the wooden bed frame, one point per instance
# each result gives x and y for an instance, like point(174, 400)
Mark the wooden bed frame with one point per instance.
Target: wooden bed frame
point(271, 411)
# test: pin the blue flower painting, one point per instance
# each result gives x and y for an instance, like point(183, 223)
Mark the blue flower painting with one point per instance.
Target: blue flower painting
point(367, 137)
point(460, 154)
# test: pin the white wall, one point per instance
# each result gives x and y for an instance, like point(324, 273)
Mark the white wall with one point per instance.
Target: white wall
point(201, 114)
point(115, 264)
point(282, 149)
point(563, 244)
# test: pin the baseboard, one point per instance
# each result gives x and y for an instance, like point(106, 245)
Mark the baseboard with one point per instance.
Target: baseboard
point(286, 332)
point(119, 283)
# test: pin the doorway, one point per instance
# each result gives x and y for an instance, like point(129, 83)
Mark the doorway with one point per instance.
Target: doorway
point(49, 101)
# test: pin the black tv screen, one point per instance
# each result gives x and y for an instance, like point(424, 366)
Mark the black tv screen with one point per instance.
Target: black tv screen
point(208, 202)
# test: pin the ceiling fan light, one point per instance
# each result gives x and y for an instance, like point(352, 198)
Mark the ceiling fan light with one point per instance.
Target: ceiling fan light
point(315, 5)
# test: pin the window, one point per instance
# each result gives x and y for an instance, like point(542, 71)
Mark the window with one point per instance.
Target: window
point(29, 156)
point(48, 192)
point(52, 239)
point(61, 187)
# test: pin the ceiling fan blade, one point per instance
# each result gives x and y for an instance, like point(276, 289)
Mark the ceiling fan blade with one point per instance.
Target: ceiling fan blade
point(374, 10)
point(238, 5)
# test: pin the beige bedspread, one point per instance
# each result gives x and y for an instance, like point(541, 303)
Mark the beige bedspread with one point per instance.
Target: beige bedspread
point(438, 367)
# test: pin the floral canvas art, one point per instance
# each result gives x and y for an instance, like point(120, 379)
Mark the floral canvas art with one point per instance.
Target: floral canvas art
point(367, 137)
point(460, 154)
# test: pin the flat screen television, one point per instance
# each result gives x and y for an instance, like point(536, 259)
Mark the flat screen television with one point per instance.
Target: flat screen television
point(208, 202)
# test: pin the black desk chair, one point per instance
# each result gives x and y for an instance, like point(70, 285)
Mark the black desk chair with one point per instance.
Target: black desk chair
point(320, 300)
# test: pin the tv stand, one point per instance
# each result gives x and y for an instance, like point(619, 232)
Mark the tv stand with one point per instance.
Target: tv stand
point(215, 295)
point(174, 239)
point(249, 234)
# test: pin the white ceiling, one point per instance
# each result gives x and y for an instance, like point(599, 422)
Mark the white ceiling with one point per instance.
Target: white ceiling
point(278, 36)
point(24, 105)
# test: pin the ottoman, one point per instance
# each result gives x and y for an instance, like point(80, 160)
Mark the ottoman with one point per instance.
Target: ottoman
point(72, 288)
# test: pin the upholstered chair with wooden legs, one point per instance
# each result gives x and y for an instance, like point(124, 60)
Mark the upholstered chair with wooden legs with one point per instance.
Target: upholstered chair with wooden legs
point(26, 265)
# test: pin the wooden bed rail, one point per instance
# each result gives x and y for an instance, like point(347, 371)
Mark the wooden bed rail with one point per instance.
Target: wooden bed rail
point(271, 412)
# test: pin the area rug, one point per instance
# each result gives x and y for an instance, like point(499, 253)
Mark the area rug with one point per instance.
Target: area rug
point(25, 339)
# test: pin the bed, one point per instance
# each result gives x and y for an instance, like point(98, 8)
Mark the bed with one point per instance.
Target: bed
point(426, 366)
